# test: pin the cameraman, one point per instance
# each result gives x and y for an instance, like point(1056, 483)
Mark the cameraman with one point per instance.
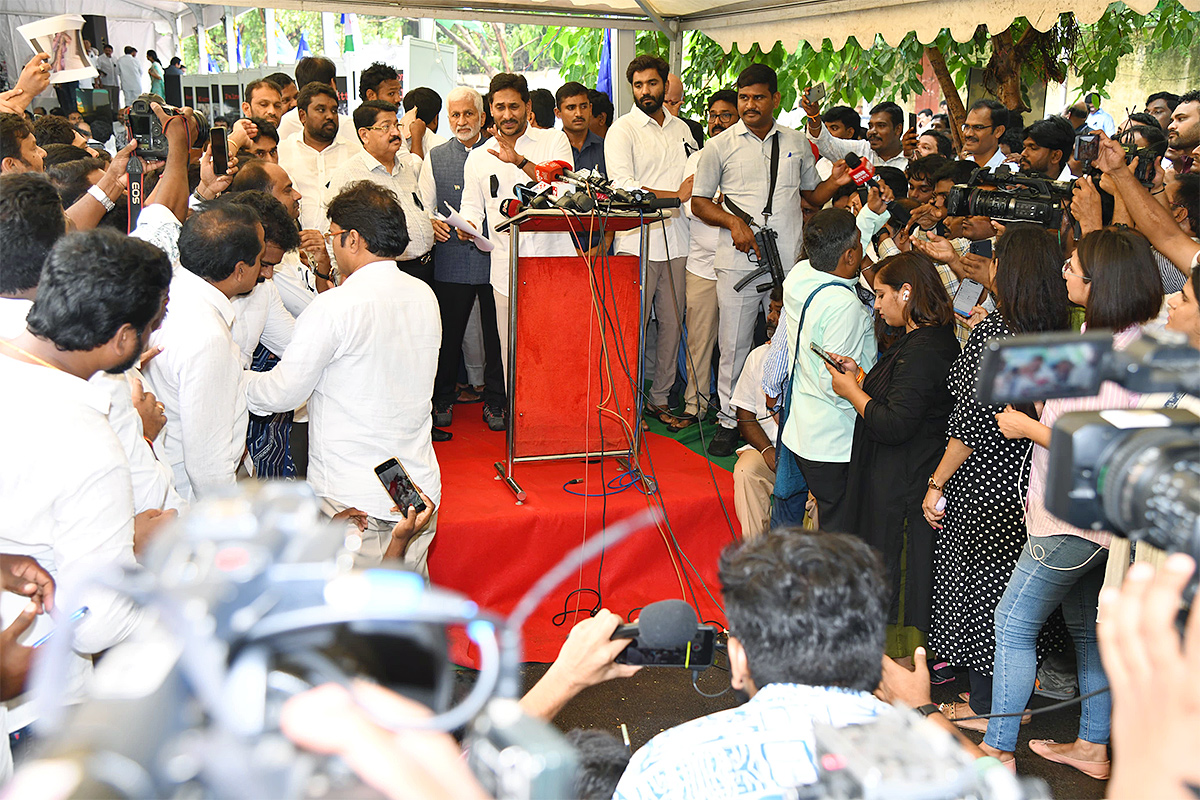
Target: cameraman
point(1048, 144)
point(1112, 274)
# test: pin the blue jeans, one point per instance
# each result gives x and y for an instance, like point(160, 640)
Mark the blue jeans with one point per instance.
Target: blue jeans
point(1051, 570)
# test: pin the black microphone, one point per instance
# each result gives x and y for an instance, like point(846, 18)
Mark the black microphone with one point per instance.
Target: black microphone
point(511, 207)
point(576, 201)
point(653, 203)
point(665, 624)
point(531, 199)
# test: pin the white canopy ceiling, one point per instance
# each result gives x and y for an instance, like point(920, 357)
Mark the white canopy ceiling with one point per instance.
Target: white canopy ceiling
point(741, 22)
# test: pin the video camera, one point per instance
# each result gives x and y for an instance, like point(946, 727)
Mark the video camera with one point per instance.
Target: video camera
point(1135, 472)
point(1009, 196)
point(144, 126)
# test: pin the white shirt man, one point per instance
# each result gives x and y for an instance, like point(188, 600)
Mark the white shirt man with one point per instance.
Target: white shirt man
point(261, 318)
point(834, 148)
point(106, 65)
point(289, 125)
point(311, 170)
point(401, 179)
point(130, 73)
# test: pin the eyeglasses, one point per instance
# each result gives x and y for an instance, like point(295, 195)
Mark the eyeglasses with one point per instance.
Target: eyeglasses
point(724, 116)
point(1066, 270)
point(384, 127)
point(976, 128)
point(328, 237)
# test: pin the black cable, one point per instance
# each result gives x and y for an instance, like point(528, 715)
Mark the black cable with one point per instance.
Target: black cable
point(1042, 710)
point(561, 617)
point(695, 675)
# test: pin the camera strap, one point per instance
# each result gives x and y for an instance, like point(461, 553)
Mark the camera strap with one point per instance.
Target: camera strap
point(134, 173)
point(774, 176)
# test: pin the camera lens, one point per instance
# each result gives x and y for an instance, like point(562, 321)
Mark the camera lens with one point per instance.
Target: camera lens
point(1152, 485)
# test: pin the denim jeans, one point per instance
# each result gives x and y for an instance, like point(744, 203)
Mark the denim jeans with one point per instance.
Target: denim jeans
point(1051, 570)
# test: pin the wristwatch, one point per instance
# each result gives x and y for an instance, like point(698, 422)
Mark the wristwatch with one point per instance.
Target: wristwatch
point(524, 162)
point(927, 710)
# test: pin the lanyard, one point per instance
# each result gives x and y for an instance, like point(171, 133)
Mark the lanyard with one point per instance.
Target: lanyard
point(774, 174)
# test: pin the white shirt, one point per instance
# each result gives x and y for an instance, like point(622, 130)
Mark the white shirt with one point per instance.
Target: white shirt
point(159, 226)
point(488, 181)
point(310, 171)
point(429, 141)
point(737, 164)
point(107, 68)
point(834, 148)
point(749, 396)
point(260, 317)
point(702, 248)
point(13, 311)
point(639, 152)
point(401, 179)
point(294, 283)
point(995, 161)
point(198, 378)
point(289, 124)
point(130, 73)
point(366, 352)
point(67, 498)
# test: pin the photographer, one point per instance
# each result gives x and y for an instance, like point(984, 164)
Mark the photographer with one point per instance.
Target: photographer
point(1112, 274)
point(981, 474)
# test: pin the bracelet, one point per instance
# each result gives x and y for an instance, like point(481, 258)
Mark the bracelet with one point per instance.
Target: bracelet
point(763, 452)
point(861, 374)
point(100, 197)
point(322, 276)
point(1160, 191)
point(199, 197)
point(523, 164)
point(933, 484)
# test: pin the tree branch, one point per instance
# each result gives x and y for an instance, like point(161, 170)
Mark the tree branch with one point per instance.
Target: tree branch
point(469, 48)
point(954, 104)
point(505, 58)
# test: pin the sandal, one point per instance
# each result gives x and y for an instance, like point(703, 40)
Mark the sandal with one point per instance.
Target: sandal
point(467, 396)
point(966, 698)
point(661, 413)
point(1093, 769)
point(950, 712)
point(683, 422)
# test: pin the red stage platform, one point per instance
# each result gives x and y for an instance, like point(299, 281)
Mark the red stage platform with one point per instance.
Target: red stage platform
point(492, 550)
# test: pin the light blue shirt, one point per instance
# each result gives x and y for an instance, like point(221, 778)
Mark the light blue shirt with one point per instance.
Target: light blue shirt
point(757, 750)
point(820, 426)
point(1103, 121)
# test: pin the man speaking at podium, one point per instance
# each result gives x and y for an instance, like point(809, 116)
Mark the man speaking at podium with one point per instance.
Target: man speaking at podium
point(492, 171)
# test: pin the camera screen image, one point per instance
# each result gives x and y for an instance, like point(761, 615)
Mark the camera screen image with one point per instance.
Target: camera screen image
point(1042, 368)
point(139, 124)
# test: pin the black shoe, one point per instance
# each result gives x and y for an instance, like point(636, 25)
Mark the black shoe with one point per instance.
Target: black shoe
point(443, 415)
point(724, 442)
point(440, 435)
point(494, 417)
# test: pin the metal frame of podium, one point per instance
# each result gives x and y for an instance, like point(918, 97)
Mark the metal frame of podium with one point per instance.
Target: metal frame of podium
point(552, 221)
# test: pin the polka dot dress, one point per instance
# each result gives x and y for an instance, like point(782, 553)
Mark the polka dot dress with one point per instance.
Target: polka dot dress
point(984, 528)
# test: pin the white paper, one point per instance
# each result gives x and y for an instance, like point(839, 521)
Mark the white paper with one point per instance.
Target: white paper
point(455, 220)
point(61, 38)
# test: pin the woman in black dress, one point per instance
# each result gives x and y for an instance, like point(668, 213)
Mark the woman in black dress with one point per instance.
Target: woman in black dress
point(983, 477)
point(900, 434)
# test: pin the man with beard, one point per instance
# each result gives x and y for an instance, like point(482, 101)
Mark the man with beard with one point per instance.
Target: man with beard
point(1183, 134)
point(263, 99)
point(198, 376)
point(65, 480)
point(737, 164)
point(489, 175)
point(986, 122)
point(385, 161)
point(648, 149)
point(312, 69)
point(461, 273)
point(702, 277)
point(314, 153)
point(882, 145)
point(1048, 144)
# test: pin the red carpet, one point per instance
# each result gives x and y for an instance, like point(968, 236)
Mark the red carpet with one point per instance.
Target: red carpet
point(493, 550)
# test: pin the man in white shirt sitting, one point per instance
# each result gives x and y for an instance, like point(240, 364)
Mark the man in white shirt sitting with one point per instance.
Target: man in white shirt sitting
point(364, 354)
point(198, 375)
point(313, 154)
point(65, 481)
point(754, 472)
point(385, 161)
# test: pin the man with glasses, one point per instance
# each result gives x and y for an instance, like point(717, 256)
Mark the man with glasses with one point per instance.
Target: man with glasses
point(385, 161)
point(986, 122)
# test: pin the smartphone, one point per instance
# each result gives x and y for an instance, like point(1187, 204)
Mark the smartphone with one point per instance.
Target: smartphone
point(828, 359)
point(696, 654)
point(1087, 147)
point(220, 150)
point(399, 486)
point(816, 94)
point(983, 247)
point(967, 297)
point(912, 121)
point(78, 615)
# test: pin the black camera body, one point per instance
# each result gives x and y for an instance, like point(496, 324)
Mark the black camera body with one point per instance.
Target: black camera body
point(1009, 197)
point(1087, 147)
point(144, 126)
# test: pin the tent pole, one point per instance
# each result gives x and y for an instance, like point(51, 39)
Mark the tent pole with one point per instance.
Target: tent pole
point(675, 55)
point(231, 53)
point(624, 50)
point(269, 26)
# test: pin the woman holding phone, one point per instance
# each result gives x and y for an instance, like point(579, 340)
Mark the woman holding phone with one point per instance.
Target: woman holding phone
point(903, 408)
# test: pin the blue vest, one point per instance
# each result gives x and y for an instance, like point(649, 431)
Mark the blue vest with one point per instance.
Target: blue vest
point(455, 261)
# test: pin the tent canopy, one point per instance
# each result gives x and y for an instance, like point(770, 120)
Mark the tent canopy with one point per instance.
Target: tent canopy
point(741, 22)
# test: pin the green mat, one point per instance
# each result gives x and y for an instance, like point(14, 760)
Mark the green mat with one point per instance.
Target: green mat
point(691, 438)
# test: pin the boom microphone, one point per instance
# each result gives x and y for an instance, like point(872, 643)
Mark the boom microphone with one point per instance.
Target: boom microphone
point(667, 623)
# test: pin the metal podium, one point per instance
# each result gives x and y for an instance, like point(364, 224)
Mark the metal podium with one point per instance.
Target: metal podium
point(574, 345)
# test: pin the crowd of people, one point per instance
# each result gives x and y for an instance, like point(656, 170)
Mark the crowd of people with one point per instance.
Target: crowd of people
point(308, 313)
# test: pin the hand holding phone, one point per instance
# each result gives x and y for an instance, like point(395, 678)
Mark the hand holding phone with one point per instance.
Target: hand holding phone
point(968, 295)
point(826, 357)
point(220, 150)
point(816, 94)
point(399, 486)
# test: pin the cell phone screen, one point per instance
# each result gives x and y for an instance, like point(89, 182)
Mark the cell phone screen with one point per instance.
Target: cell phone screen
point(220, 151)
point(399, 486)
point(825, 357)
point(967, 297)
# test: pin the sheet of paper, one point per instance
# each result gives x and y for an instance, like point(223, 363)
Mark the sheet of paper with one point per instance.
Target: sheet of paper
point(455, 220)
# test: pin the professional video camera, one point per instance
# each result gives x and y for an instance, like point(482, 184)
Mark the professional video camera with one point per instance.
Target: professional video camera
point(250, 599)
point(1009, 196)
point(144, 126)
point(1135, 472)
point(902, 755)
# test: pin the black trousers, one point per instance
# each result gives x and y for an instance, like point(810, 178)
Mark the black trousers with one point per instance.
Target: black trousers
point(827, 484)
point(420, 269)
point(455, 300)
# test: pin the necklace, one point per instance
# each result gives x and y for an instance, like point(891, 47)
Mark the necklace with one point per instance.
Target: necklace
point(28, 355)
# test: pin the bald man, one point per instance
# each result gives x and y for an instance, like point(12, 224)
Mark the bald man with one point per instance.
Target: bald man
point(673, 102)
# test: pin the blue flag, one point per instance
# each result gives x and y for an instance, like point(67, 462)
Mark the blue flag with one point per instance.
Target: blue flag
point(302, 51)
point(604, 79)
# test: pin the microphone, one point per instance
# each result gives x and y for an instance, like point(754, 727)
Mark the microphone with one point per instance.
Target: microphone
point(861, 172)
point(511, 207)
point(531, 197)
point(576, 201)
point(550, 171)
point(665, 624)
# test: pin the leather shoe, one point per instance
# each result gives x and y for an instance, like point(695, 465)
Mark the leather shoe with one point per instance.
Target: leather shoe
point(724, 442)
point(440, 435)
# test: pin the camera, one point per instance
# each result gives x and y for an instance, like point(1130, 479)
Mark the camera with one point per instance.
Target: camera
point(1009, 197)
point(1087, 148)
point(1135, 472)
point(144, 126)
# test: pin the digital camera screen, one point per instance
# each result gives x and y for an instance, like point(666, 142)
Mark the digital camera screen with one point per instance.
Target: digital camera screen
point(1054, 365)
point(140, 125)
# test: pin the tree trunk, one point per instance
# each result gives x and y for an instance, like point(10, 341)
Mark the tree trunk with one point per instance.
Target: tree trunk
point(469, 48)
point(505, 58)
point(954, 104)
point(1006, 70)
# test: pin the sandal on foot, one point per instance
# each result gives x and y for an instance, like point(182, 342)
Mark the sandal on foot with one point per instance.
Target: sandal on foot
point(951, 711)
point(1093, 769)
point(683, 422)
point(966, 698)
